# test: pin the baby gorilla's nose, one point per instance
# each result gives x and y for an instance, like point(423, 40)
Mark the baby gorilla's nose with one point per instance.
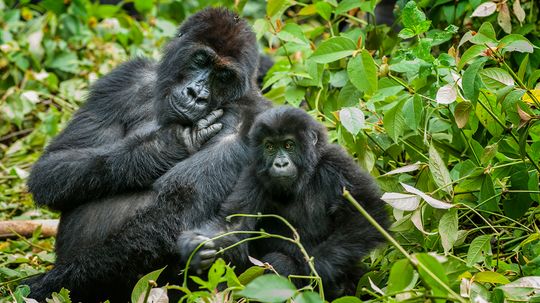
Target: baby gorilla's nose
point(281, 163)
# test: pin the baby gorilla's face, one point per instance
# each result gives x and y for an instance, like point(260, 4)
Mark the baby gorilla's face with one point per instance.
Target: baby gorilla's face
point(279, 155)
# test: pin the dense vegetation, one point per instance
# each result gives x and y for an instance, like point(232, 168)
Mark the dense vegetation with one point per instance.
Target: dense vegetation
point(443, 108)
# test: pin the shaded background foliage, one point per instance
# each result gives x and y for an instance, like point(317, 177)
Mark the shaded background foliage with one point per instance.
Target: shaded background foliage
point(442, 106)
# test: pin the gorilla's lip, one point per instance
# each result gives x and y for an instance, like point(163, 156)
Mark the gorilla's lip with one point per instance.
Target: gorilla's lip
point(178, 110)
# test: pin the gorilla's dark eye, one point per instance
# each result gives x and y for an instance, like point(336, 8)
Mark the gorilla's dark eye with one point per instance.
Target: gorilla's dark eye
point(289, 145)
point(269, 146)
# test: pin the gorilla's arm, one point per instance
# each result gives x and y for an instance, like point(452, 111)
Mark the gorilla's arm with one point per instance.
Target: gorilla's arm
point(94, 157)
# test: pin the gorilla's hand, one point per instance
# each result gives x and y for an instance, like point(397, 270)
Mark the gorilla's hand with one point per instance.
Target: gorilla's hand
point(188, 241)
point(206, 128)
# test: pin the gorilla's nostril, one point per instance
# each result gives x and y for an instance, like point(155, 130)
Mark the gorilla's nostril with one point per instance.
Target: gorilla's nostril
point(281, 164)
point(192, 93)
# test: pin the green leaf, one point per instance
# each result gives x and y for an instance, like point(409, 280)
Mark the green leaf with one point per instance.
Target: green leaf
point(478, 250)
point(250, 274)
point(143, 6)
point(362, 72)
point(334, 49)
point(401, 277)
point(496, 78)
point(394, 122)
point(346, 5)
point(523, 68)
point(490, 277)
point(448, 229)
point(435, 267)
point(473, 52)
point(276, 7)
point(324, 10)
point(294, 95)
point(142, 285)
point(308, 297)
point(439, 171)
point(471, 81)
point(269, 288)
point(521, 289)
point(347, 299)
point(292, 32)
point(516, 43)
point(411, 15)
point(485, 35)
point(406, 33)
point(352, 119)
point(487, 198)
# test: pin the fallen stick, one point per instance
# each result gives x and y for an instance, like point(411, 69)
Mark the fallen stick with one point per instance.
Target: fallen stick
point(13, 228)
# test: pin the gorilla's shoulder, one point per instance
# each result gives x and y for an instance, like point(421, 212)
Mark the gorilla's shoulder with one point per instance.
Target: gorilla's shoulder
point(336, 162)
point(130, 83)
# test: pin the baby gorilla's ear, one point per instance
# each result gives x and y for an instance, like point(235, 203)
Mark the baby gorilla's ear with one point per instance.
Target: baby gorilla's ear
point(313, 137)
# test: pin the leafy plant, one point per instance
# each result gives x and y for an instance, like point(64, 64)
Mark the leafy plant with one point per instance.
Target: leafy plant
point(442, 107)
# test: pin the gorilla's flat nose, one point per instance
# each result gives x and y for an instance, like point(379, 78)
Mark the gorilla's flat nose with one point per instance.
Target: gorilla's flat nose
point(281, 163)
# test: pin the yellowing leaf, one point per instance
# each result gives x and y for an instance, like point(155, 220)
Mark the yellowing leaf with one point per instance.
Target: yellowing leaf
point(518, 11)
point(504, 18)
point(527, 98)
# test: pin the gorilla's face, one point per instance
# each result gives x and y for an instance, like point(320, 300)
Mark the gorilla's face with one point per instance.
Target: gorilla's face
point(210, 64)
point(205, 83)
point(286, 144)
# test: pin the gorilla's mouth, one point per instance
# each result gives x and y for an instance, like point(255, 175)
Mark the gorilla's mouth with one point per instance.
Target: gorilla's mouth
point(182, 115)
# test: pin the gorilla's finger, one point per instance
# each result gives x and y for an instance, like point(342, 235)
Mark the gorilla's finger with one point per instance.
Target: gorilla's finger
point(209, 245)
point(208, 253)
point(206, 133)
point(210, 119)
point(205, 264)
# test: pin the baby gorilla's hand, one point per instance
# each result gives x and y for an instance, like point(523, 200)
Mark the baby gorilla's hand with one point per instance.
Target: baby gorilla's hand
point(203, 131)
point(204, 257)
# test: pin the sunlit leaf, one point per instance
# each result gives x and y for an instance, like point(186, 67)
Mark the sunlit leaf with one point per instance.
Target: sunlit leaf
point(485, 9)
point(334, 49)
point(352, 119)
point(269, 288)
point(402, 201)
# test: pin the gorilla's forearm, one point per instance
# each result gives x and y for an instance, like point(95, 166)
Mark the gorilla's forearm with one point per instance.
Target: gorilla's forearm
point(63, 179)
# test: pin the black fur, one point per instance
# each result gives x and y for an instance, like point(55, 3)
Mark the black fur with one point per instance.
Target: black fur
point(125, 204)
point(331, 230)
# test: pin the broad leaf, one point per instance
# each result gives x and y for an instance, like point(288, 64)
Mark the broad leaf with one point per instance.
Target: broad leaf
point(485, 9)
point(448, 229)
point(478, 250)
point(142, 285)
point(334, 49)
point(362, 72)
point(496, 78)
point(439, 171)
point(352, 119)
point(269, 288)
point(401, 201)
point(402, 277)
point(431, 201)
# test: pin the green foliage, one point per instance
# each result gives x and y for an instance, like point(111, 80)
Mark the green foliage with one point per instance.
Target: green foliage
point(444, 111)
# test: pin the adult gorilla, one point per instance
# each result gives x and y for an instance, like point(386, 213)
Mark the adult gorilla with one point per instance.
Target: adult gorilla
point(105, 244)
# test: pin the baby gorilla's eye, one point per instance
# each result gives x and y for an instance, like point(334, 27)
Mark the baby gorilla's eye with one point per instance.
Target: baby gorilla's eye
point(289, 145)
point(269, 146)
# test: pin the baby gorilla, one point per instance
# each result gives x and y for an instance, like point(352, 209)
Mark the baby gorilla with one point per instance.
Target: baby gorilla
point(296, 174)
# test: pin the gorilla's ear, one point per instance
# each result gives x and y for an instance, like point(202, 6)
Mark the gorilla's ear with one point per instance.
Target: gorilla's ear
point(313, 137)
